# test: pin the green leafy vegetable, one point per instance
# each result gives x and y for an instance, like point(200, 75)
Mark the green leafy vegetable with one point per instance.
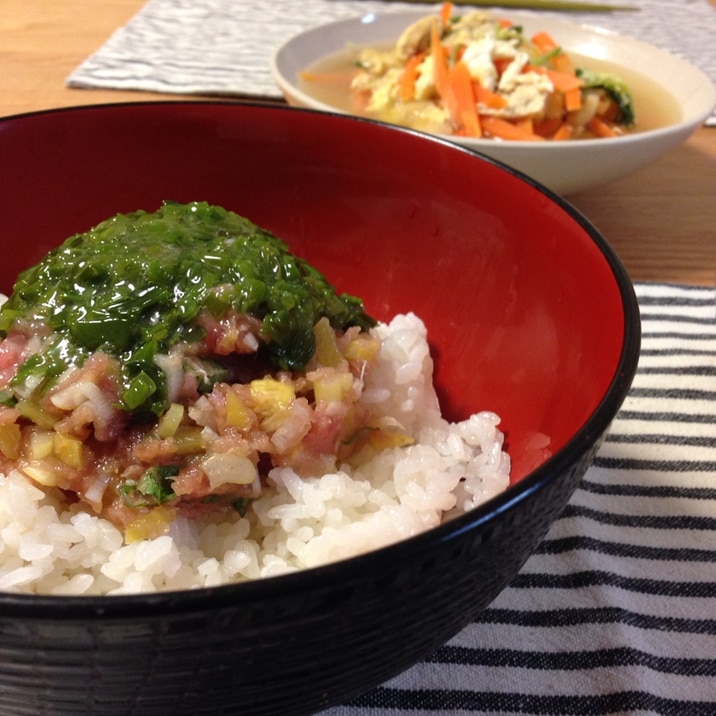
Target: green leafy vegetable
point(241, 505)
point(616, 88)
point(152, 489)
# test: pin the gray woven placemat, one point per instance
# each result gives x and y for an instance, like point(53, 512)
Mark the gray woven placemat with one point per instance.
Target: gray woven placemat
point(223, 47)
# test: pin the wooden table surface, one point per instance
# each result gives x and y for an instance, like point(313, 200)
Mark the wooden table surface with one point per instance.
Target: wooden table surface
point(660, 220)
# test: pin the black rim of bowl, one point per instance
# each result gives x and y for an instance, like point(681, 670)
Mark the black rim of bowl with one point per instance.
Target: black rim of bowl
point(186, 601)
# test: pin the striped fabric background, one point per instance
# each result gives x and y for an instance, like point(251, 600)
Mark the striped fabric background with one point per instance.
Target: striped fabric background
point(224, 47)
point(616, 612)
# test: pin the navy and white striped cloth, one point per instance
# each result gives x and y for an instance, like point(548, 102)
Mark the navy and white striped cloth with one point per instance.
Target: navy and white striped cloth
point(224, 47)
point(616, 611)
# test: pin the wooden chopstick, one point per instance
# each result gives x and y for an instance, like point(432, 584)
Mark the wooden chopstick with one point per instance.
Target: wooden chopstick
point(560, 5)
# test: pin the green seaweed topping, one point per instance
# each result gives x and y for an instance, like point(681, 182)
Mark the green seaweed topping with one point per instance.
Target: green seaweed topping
point(134, 285)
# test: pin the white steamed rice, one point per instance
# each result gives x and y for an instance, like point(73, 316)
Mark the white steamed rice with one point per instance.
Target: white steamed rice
point(47, 548)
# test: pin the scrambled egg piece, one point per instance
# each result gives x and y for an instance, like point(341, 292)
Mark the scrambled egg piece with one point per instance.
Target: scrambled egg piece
point(526, 92)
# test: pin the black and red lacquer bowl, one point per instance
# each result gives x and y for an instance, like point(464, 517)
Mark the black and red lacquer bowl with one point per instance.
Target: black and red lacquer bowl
point(529, 312)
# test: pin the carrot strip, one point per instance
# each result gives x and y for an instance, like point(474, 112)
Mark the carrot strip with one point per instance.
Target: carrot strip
point(547, 127)
point(503, 129)
point(446, 13)
point(440, 74)
point(488, 98)
point(562, 62)
point(544, 42)
point(600, 128)
point(471, 124)
point(410, 76)
point(526, 124)
point(501, 64)
point(561, 81)
point(464, 97)
point(564, 132)
point(440, 68)
point(573, 99)
point(504, 23)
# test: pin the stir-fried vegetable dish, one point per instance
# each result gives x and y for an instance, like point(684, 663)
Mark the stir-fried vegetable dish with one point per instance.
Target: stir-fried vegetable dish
point(164, 362)
point(476, 76)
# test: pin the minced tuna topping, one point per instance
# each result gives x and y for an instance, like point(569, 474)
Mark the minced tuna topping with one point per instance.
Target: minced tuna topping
point(162, 363)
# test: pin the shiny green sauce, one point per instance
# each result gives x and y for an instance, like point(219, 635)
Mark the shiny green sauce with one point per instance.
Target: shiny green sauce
point(133, 285)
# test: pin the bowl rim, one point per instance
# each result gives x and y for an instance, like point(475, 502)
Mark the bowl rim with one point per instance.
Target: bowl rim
point(68, 607)
point(697, 116)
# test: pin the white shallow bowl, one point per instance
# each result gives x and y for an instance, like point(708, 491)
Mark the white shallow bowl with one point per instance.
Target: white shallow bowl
point(564, 167)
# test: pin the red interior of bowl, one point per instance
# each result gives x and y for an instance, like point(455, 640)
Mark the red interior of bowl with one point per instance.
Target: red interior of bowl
point(524, 314)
